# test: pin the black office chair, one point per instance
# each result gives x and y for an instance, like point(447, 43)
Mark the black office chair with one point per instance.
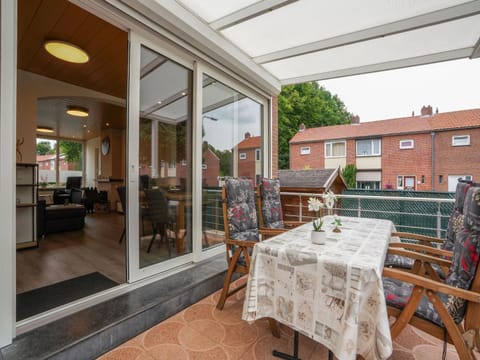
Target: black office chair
point(160, 218)
point(76, 196)
point(73, 182)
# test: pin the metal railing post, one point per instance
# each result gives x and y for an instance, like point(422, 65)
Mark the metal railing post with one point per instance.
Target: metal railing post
point(439, 222)
point(359, 207)
point(300, 211)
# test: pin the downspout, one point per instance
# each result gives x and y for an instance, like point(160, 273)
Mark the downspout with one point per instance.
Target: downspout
point(433, 160)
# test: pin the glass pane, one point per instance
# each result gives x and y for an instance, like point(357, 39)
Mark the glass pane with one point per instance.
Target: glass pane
point(165, 156)
point(376, 146)
point(364, 147)
point(339, 149)
point(46, 160)
point(231, 138)
point(70, 160)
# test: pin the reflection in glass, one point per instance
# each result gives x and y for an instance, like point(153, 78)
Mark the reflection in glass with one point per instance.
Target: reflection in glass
point(232, 146)
point(165, 159)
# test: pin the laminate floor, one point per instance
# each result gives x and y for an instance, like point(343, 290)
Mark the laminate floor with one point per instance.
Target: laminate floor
point(65, 255)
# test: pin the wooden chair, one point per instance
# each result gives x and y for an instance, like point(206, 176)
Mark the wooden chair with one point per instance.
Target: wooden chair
point(448, 310)
point(270, 209)
point(241, 234)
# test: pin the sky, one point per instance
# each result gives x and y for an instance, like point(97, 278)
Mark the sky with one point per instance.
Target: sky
point(448, 86)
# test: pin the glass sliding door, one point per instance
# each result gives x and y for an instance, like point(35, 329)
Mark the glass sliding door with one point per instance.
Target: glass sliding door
point(232, 146)
point(164, 158)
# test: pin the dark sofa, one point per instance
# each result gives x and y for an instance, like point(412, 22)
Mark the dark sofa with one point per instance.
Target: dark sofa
point(59, 218)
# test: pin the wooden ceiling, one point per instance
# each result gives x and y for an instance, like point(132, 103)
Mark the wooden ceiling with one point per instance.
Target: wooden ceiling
point(105, 72)
point(41, 20)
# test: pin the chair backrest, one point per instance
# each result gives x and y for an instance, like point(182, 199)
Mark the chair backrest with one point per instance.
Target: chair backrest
point(144, 182)
point(122, 196)
point(76, 195)
point(73, 182)
point(455, 222)
point(157, 206)
point(239, 212)
point(269, 204)
point(466, 254)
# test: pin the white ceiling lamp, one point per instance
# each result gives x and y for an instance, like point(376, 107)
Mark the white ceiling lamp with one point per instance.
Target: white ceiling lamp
point(45, 129)
point(66, 51)
point(78, 111)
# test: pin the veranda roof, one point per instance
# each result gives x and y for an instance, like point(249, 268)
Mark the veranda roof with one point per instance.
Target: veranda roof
point(276, 42)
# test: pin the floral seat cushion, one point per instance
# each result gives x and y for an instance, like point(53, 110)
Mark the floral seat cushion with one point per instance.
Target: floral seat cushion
point(465, 261)
point(271, 204)
point(241, 211)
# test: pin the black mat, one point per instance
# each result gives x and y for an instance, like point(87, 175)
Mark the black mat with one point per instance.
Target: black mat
point(39, 300)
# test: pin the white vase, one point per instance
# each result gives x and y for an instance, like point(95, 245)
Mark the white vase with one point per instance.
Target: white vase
point(318, 237)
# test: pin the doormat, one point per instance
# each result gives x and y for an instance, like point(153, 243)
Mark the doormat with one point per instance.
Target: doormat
point(42, 299)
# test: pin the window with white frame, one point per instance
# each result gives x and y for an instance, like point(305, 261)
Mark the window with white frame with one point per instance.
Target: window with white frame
point(257, 154)
point(305, 150)
point(335, 149)
point(204, 167)
point(369, 147)
point(242, 156)
point(460, 140)
point(406, 144)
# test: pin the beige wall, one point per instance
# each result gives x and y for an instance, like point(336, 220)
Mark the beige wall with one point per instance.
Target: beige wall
point(334, 163)
point(369, 162)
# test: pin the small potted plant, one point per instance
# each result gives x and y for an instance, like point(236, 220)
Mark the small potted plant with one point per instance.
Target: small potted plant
point(336, 222)
point(318, 234)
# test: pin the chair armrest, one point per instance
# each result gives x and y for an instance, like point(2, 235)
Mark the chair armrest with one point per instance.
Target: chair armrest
point(241, 243)
point(430, 284)
point(423, 248)
point(271, 231)
point(293, 224)
point(420, 238)
point(419, 256)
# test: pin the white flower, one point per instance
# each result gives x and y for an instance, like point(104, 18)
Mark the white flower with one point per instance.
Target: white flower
point(314, 204)
point(329, 198)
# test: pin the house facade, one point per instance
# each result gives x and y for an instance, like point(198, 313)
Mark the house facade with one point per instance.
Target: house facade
point(248, 154)
point(425, 152)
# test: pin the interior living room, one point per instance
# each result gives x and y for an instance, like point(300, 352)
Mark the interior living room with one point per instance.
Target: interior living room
point(71, 156)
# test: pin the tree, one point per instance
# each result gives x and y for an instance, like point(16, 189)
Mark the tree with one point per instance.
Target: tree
point(72, 151)
point(43, 148)
point(309, 104)
point(349, 175)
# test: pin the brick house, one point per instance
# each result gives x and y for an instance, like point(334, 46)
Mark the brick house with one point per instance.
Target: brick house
point(425, 152)
point(248, 153)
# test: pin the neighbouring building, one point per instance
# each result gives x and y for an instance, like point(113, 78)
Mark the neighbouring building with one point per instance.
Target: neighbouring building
point(425, 152)
point(248, 153)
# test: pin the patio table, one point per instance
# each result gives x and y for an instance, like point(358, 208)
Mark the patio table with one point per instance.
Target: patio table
point(332, 293)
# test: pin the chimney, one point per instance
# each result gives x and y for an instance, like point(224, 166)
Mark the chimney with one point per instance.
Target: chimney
point(355, 119)
point(247, 135)
point(301, 127)
point(427, 111)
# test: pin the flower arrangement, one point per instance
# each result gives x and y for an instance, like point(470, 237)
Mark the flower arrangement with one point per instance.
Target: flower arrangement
point(316, 205)
point(329, 199)
point(43, 180)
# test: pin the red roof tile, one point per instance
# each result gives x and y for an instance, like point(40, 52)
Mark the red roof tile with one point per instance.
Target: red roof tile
point(252, 142)
point(412, 124)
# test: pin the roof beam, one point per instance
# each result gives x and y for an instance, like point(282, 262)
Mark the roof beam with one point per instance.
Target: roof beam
point(248, 13)
point(433, 18)
point(389, 65)
point(476, 51)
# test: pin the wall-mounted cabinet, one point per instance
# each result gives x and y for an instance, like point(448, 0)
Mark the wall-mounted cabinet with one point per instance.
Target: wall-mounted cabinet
point(26, 194)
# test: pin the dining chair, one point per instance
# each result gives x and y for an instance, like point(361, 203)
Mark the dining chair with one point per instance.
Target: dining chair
point(270, 215)
point(241, 234)
point(160, 217)
point(455, 225)
point(449, 309)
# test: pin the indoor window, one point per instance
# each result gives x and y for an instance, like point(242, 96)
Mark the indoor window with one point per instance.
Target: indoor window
point(370, 147)
point(460, 140)
point(335, 149)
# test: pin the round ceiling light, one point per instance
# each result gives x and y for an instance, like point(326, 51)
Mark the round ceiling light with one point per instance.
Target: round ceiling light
point(66, 51)
point(45, 129)
point(78, 111)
